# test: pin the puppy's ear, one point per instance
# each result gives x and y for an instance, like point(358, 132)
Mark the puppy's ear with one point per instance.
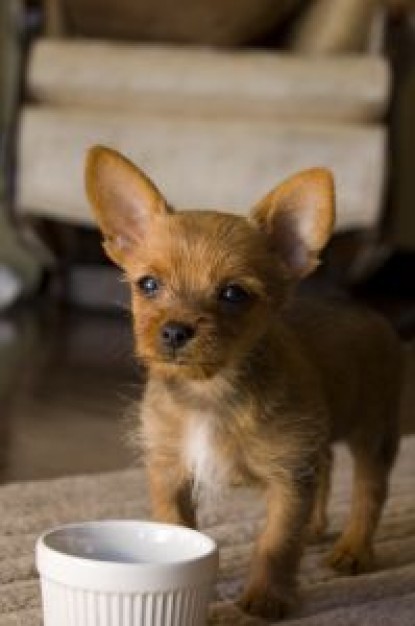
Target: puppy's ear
point(298, 217)
point(123, 199)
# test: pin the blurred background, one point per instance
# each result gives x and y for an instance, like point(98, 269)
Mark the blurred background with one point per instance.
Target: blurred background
point(217, 100)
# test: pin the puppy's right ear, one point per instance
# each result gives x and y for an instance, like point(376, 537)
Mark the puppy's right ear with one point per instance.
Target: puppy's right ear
point(123, 199)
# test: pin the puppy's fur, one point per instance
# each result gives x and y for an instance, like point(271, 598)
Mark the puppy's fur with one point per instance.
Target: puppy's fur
point(246, 382)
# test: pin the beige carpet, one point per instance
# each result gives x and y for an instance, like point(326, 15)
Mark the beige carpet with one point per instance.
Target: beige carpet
point(383, 598)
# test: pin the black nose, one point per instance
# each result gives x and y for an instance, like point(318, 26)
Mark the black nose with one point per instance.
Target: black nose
point(176, 334)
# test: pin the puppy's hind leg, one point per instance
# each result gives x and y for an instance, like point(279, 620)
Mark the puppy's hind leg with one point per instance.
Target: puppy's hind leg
point(353, 552)
point(318, 521)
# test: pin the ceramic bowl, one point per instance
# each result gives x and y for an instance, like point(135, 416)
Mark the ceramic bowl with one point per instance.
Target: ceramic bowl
point(125, 573)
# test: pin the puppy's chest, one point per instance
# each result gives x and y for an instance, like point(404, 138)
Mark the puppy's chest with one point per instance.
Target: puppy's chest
point(206, 454)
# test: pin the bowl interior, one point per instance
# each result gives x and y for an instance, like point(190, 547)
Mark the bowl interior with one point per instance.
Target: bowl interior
point(128, 541)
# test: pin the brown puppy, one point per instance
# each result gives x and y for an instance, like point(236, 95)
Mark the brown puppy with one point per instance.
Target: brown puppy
point(245, 381)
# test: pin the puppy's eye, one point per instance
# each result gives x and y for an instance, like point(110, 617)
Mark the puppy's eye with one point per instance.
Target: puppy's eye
point(233, 294)
point(148, 285)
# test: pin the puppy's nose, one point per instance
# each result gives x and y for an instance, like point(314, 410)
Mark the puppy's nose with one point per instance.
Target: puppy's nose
point(176, 334)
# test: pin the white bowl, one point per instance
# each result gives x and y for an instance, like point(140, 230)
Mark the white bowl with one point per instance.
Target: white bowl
point(125, 573)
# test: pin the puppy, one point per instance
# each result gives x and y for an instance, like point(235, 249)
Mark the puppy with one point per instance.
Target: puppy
point(246, 381)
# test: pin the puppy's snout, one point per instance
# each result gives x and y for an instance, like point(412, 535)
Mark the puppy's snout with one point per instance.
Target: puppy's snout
point(176, 334)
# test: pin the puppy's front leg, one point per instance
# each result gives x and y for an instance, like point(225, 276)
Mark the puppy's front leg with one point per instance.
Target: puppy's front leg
point(271, 587)
point(170, 492)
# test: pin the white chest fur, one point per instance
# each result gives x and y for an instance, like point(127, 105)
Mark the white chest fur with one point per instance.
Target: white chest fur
point(202, 456)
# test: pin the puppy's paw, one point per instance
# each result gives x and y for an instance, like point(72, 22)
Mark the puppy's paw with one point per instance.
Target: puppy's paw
point(350, 559)
point(268, 602)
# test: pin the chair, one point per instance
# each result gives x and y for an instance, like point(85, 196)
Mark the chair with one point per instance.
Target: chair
point(214, 125)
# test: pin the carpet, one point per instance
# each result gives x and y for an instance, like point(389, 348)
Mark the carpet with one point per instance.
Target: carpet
point(384, 597)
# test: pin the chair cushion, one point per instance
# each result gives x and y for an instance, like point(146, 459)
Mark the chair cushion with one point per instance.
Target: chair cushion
point(197, 161)
point(171, 79)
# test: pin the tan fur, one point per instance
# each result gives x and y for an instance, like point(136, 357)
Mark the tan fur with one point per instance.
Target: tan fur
point(272, 379)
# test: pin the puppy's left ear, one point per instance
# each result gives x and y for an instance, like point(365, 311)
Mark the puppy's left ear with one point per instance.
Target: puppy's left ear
point(298, 217)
